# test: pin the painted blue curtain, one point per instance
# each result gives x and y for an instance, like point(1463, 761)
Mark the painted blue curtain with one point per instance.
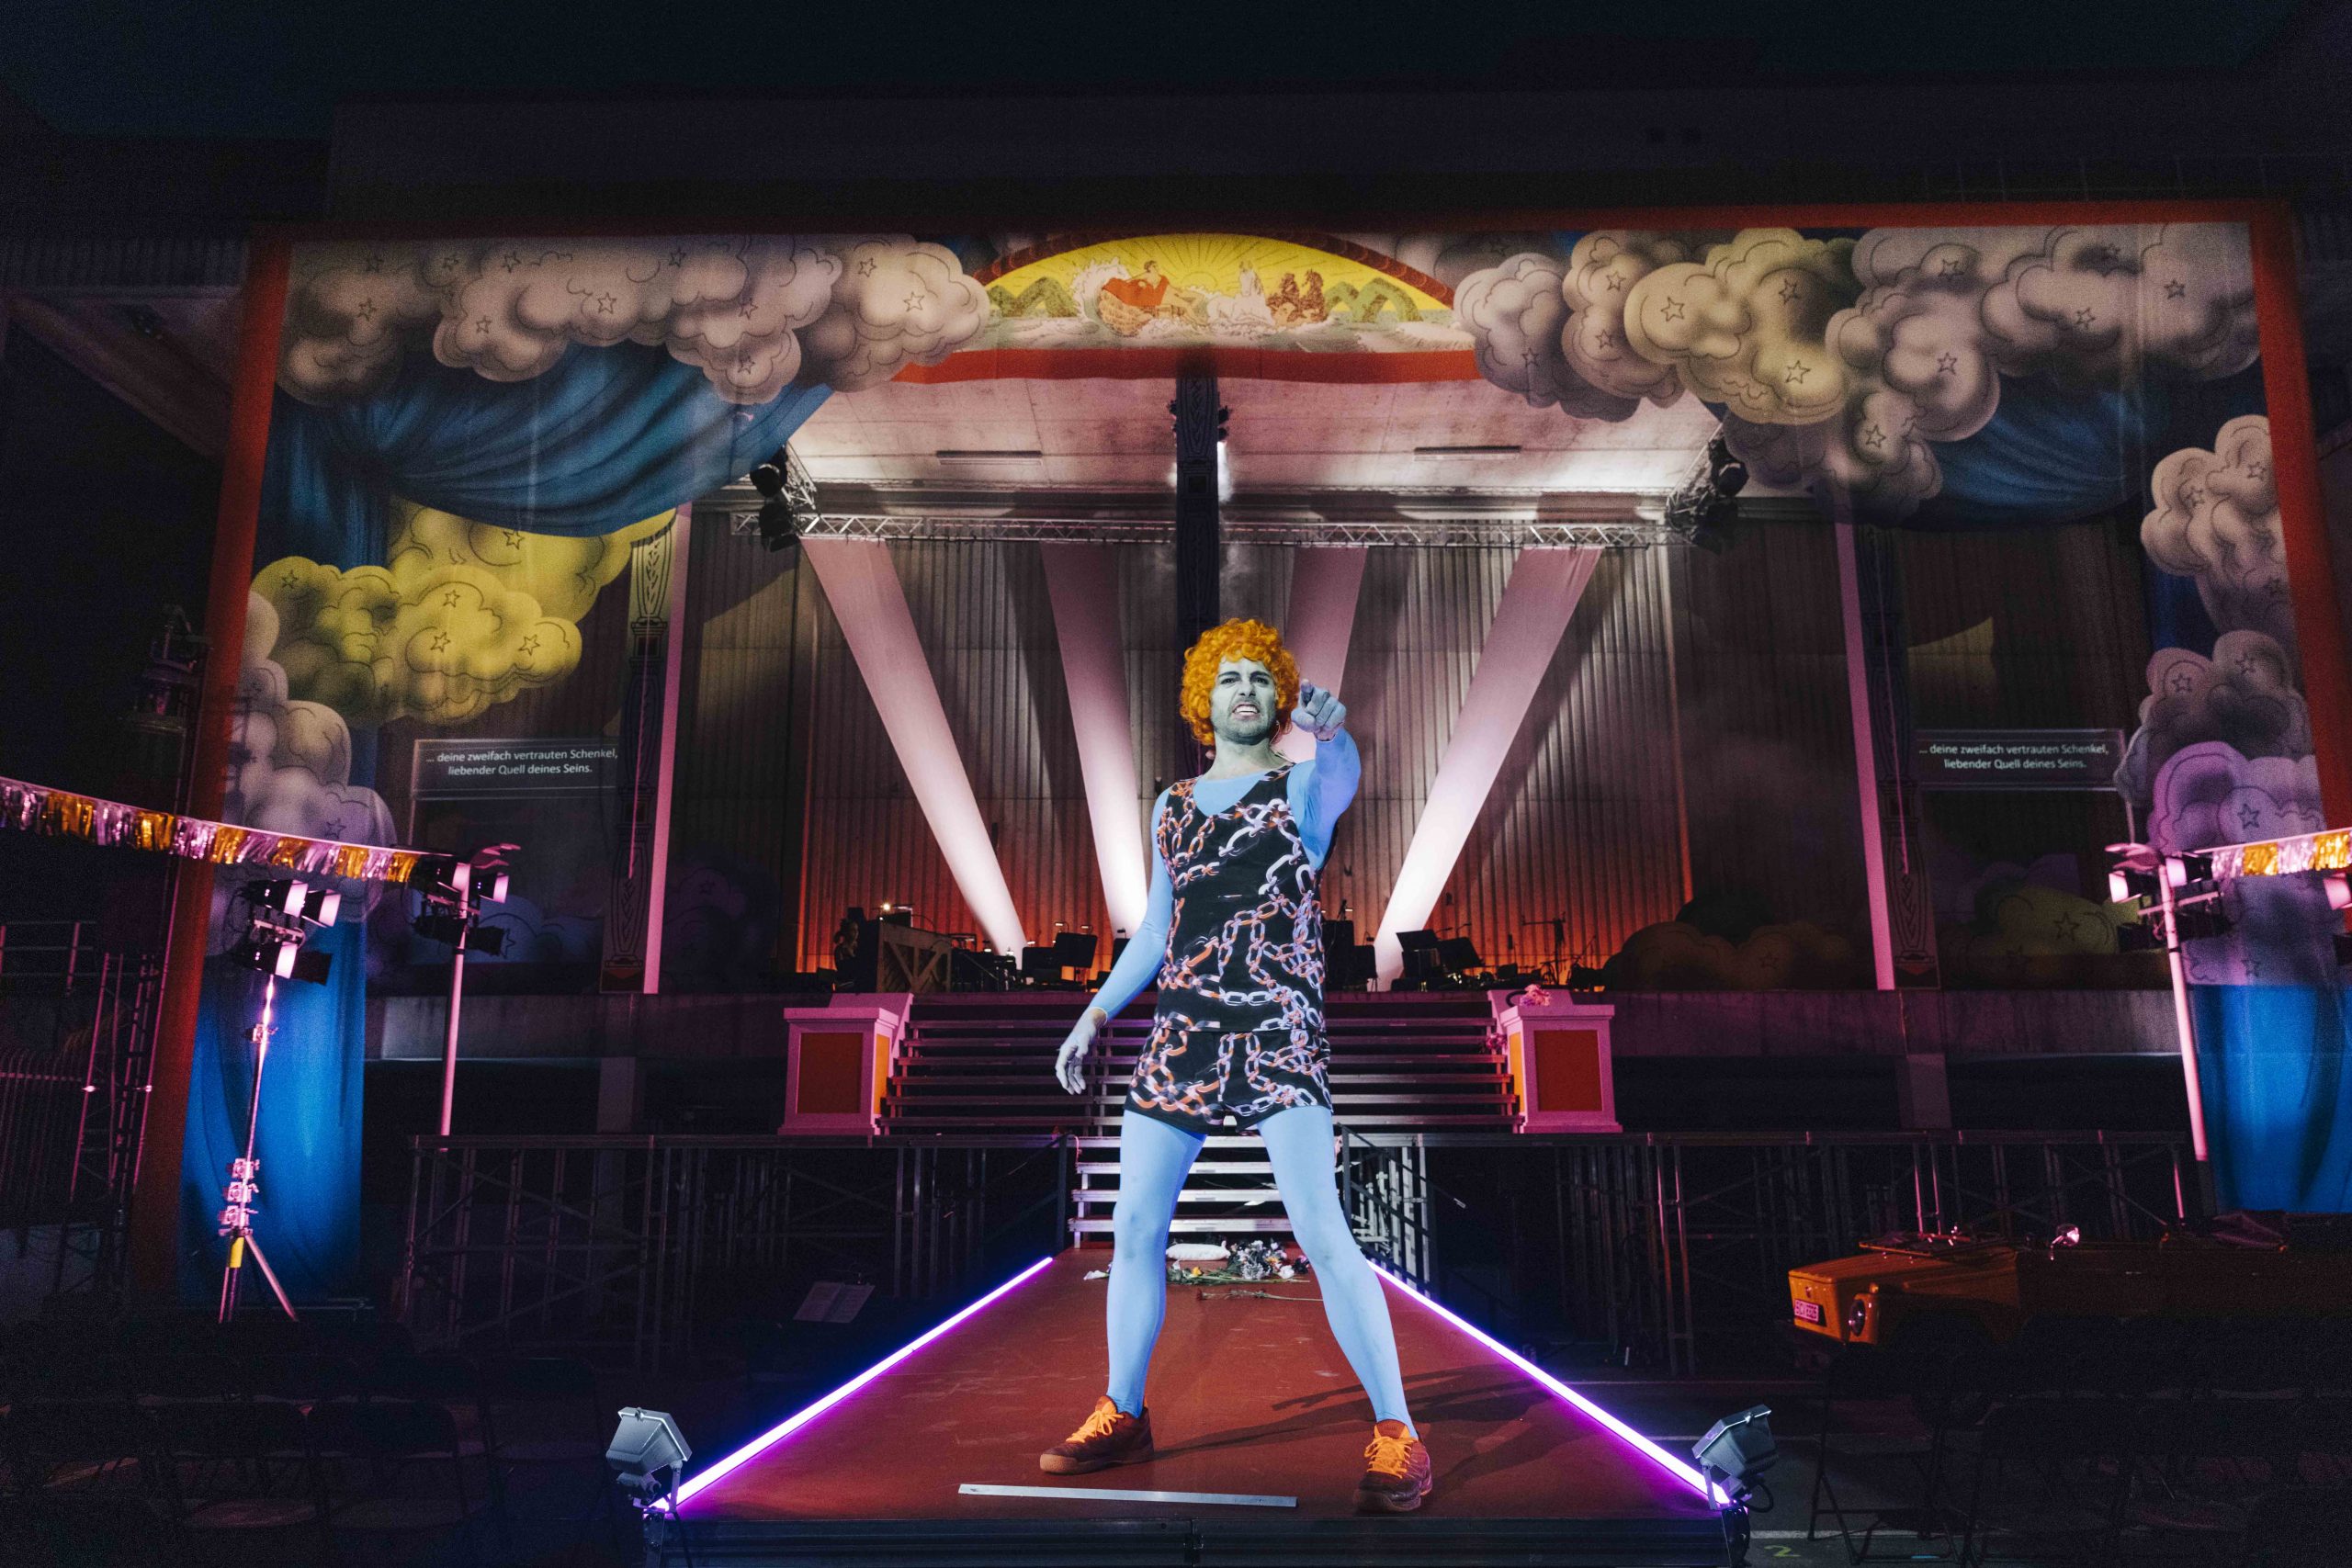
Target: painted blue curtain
point(2056, 454)
point(606, 437)
point(2277, 1099)
point(309, 1146)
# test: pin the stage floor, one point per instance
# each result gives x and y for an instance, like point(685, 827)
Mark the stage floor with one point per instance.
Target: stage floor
point(1249, 1396)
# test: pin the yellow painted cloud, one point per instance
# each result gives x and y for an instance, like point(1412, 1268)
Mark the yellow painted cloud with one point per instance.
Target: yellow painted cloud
point(463, 616)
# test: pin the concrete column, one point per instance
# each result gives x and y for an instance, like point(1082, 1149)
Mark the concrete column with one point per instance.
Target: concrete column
point(621, 1094)
point(1923, 1092)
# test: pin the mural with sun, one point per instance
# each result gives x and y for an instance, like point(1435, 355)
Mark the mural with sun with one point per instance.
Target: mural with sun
point(1261, 291)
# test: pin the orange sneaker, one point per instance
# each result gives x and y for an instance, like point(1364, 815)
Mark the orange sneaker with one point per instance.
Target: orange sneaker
point(1397, 1471)
point(1108, 1436)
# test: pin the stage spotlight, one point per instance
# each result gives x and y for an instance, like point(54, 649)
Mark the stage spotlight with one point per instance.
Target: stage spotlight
point(648, 1453)
point(280, 954)
point(776, 529)
point(1726, 472)
point(1711, 524)
point(790, 501)
point(316, 905)
point(436, 927)
point(1738, 1447)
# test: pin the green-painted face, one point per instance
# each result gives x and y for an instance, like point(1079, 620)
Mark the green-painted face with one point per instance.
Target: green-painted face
point(1242, 702)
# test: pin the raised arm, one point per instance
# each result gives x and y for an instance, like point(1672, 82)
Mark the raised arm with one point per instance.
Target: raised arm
point(1138, 964)
point(1330, 779)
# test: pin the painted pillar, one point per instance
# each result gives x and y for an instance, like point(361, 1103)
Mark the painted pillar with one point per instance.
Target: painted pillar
point(657, 586)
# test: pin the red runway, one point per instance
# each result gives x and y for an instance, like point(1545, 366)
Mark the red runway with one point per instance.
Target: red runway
point(1247, 1396)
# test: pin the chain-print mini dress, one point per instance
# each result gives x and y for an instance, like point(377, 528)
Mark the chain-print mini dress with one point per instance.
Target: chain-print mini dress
point(1239, 1024)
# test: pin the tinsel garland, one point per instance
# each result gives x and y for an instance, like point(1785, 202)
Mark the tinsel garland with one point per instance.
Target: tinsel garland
point(30, 808)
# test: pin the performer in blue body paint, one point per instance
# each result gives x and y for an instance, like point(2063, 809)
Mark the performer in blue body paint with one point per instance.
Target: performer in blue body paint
point(1234, 934)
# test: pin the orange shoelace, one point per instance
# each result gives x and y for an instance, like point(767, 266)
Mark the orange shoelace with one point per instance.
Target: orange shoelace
point(1389, 1456)
point(1099, 1425)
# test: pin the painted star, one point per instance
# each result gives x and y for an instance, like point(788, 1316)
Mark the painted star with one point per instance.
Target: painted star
point(743, 362)
point(605, 303)
point(747, 308)
point(291, 579)
point(2083, 317)
point(514, 538)
point(2254, 968)
point(678, 256)
point(1673, 312)
point(2184, 683)
point(482, 325)
point(373, 264)
point(2249, 817)
point(366, 311)
point(1788, 289)
point(530, 644)
point(2192, 496)
point(1605, 341)
point(1873, 437)
point(2175, 288)
point(449, 600)
point(2257, 469)
point(1947, 363)
point(1614, 284)
point(915, 299)
point(439, 641)
point(1798, 370)
point(1954, 267)
point(511, 260)
point(865, 267)
point(2247, 663)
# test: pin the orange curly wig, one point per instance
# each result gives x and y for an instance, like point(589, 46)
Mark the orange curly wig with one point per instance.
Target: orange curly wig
point(1237, 639)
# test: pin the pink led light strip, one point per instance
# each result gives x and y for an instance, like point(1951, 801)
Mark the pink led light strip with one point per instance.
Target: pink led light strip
point(800, 1418)
point(1680, 1470)
point(1686, 1473)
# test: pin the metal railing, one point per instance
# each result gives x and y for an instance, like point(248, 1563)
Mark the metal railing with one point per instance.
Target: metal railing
point(73, 1091)
point(1659, 1251)
point(1667, 1250)
point(644, 1249)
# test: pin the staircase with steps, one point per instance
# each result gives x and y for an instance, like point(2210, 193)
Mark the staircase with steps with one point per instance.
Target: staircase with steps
point(983, 1062)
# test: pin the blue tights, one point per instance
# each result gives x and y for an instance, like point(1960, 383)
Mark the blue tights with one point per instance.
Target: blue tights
point(1154, 1157)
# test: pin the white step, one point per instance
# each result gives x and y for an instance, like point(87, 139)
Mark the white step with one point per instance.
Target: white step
point(1189, 1195)
point(1104, 1225)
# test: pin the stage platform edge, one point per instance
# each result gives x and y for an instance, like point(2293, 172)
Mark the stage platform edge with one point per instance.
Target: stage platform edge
point(1244, 1397)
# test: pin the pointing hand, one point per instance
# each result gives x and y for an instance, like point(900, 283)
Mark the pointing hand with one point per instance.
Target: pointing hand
point(1319, 712)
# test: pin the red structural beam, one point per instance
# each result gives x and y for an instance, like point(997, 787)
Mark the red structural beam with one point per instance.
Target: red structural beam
point(155, 1242)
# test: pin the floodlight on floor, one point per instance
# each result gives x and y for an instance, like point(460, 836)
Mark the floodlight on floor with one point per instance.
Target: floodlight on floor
point(1738, 1447)
point(648, 1453)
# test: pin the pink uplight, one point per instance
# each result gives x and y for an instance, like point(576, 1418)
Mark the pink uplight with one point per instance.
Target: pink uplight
point(802, 1417)
point(1680, 1470)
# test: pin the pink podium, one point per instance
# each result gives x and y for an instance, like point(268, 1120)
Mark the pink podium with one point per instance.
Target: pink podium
point(1558, 1054)
point(841, 1057)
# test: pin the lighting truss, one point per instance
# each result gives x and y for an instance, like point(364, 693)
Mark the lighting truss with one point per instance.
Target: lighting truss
point(1425, 532)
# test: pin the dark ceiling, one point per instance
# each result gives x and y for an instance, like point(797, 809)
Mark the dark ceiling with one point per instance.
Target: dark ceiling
point(277, 68)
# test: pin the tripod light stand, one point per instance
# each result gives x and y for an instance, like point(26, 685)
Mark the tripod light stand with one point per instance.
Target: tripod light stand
point(282, 915)
point(244, 1191)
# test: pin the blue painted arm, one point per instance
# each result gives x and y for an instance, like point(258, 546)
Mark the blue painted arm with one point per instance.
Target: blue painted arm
point(1330, 785)
point(1138, 964)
